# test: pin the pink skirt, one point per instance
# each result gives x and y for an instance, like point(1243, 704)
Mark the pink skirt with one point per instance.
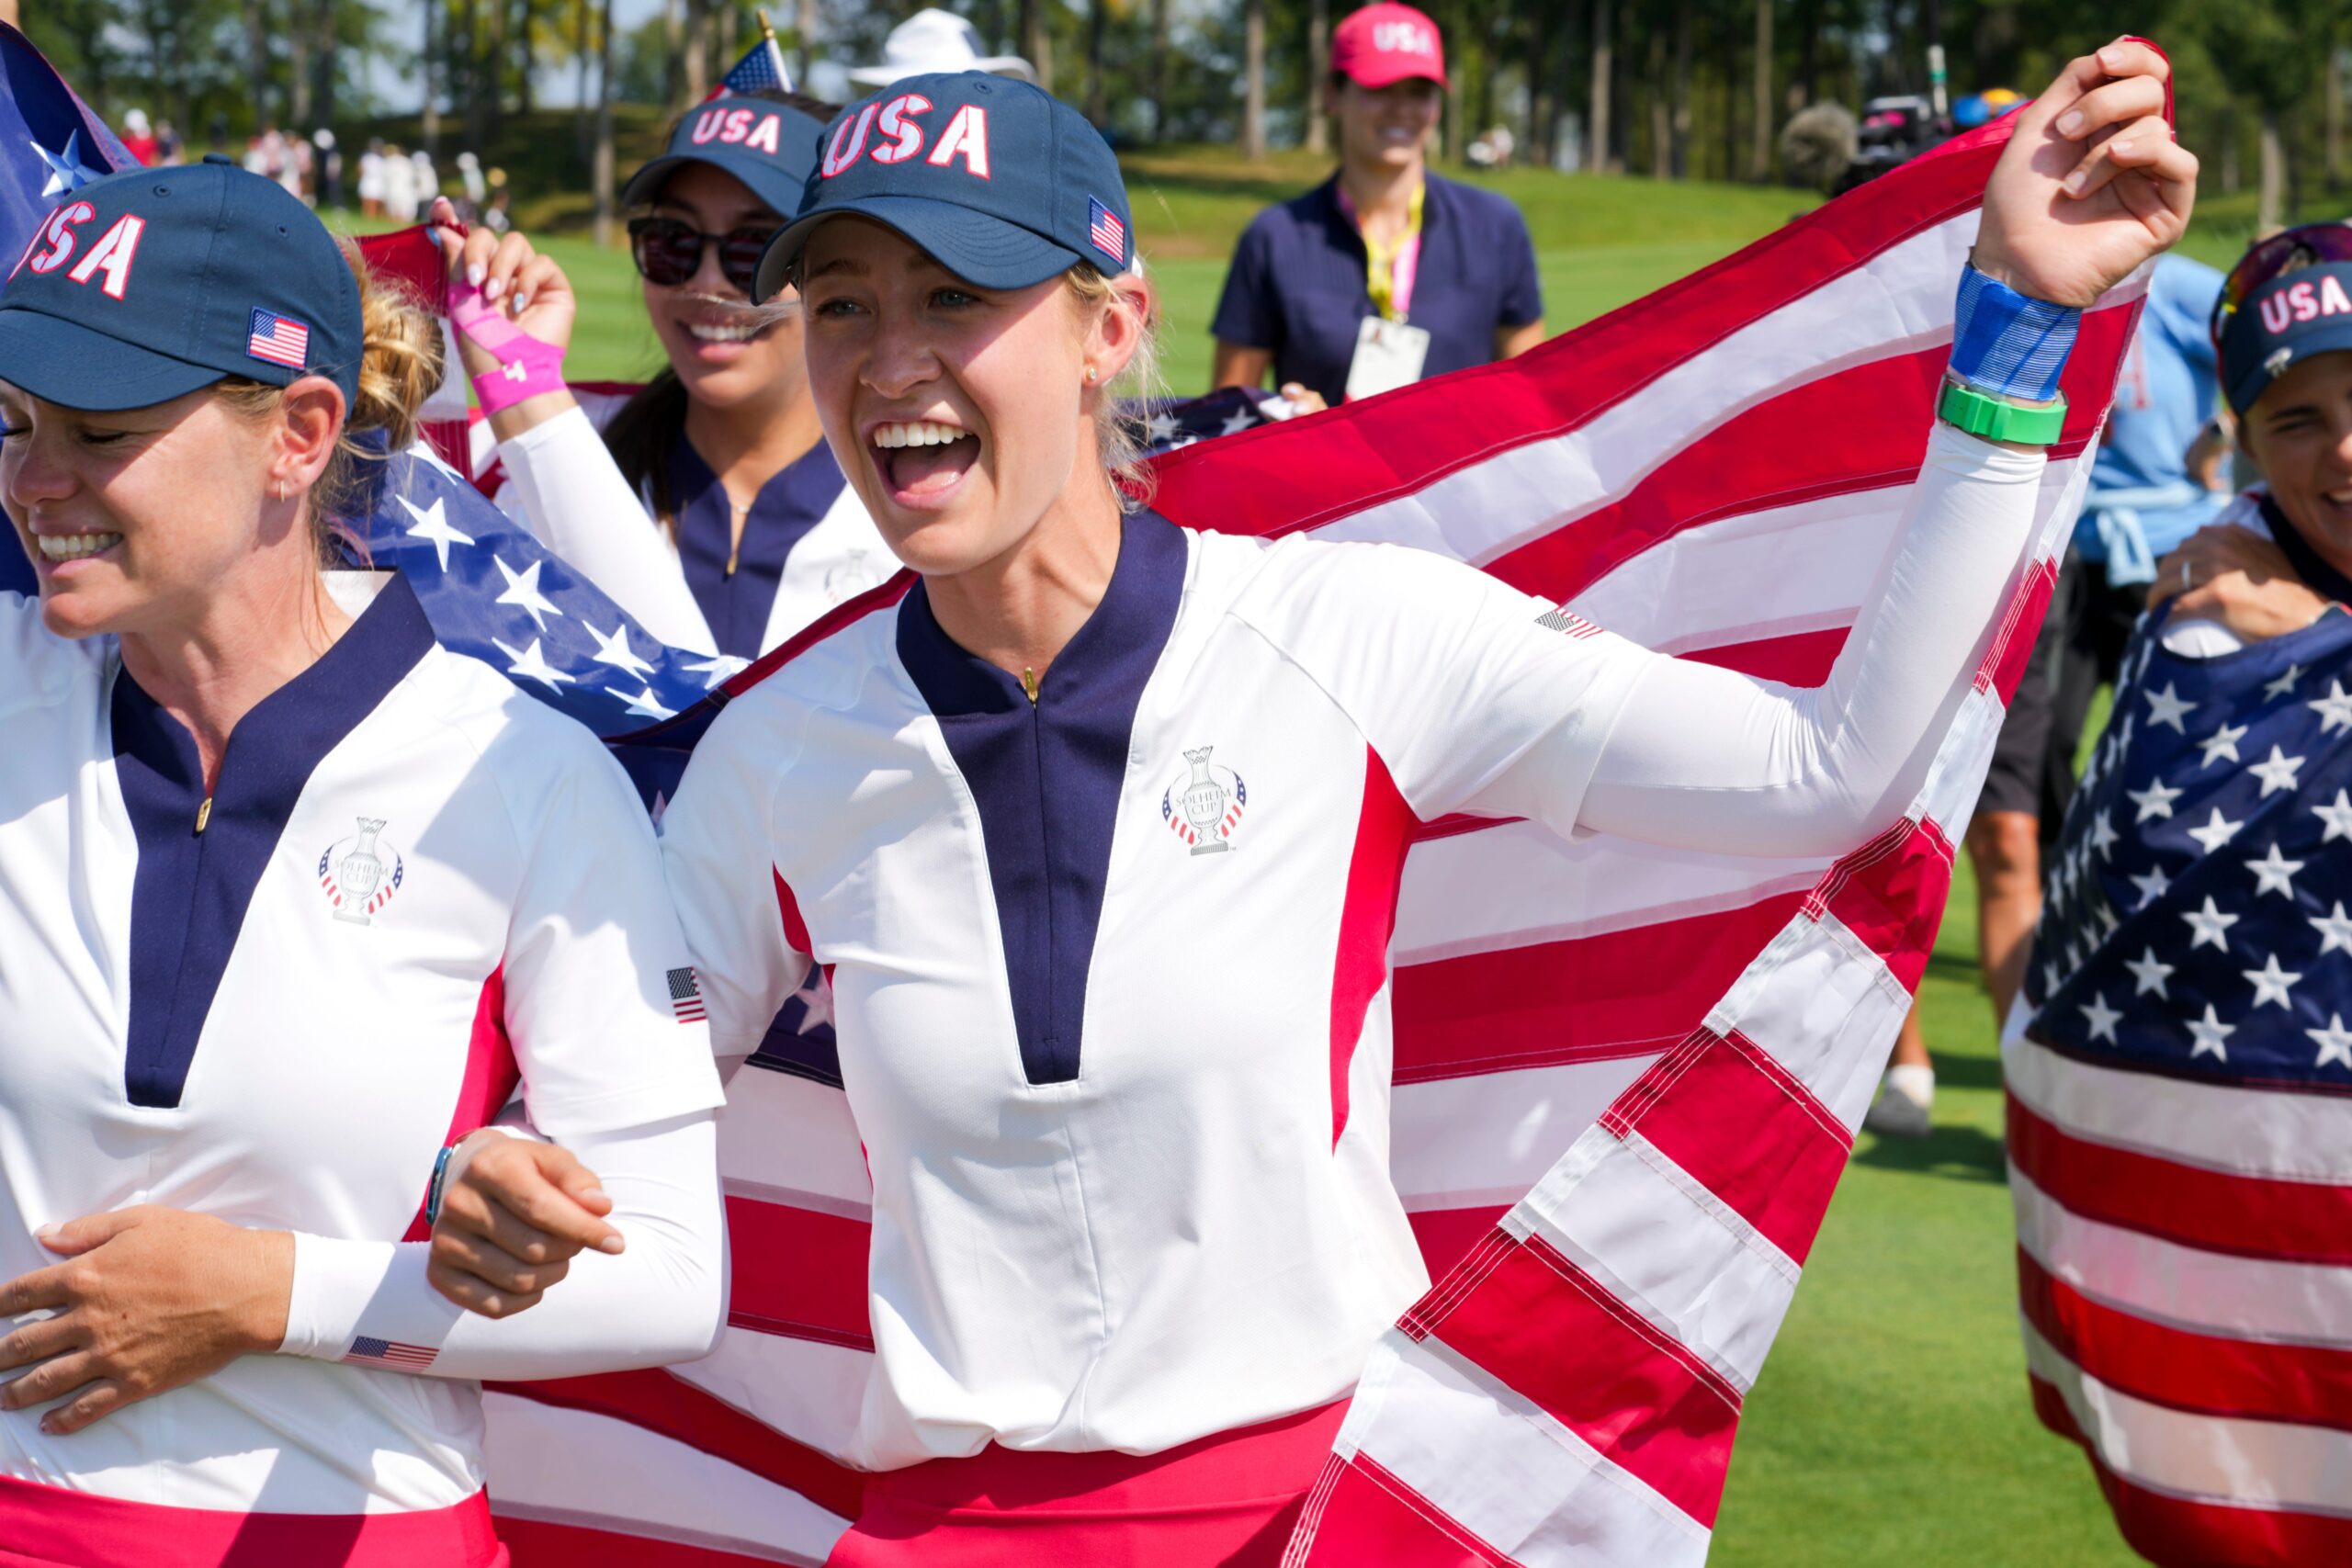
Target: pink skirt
point(51, 1526)
point(1223, 1501)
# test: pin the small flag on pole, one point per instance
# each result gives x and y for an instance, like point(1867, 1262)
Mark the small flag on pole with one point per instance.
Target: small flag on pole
point(760, 70)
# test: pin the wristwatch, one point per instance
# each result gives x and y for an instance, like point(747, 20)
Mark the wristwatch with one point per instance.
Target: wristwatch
point(1996, 419)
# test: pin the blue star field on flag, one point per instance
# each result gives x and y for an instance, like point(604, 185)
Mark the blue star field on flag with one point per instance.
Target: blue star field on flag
point(760, 70)
point(51, 144)
point(2197, 908)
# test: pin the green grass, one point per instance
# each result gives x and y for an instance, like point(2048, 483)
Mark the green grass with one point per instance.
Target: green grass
point(1891, 1424)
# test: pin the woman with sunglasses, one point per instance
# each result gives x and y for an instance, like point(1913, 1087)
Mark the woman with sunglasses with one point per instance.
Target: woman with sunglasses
point(755, 533)
point(1090, 821)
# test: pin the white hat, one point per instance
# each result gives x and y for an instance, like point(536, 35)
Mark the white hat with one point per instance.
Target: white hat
point(135, 122)
point(933, 40)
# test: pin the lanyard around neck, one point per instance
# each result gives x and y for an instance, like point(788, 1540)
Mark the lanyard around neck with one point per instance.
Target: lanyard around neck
point(1381, 262)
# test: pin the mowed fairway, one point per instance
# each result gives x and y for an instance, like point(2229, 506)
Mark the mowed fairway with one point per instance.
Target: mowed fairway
point(1891, 1424)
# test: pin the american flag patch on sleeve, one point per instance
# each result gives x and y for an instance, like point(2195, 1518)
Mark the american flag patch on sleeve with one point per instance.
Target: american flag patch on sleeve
point(280, 340)
point(686, 995)
point(390, 1353)
point(1561, 620)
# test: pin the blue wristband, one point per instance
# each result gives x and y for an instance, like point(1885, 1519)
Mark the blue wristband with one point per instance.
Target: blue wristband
point(2006, 344)
point(432, 1192)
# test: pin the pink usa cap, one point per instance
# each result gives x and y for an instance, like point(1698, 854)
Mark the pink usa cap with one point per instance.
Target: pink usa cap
point(1387, 43)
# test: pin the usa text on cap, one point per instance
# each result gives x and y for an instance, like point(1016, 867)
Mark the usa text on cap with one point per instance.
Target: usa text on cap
point(1381, 44)
point(769, 146)
point(147, 285)
point(1001, 184)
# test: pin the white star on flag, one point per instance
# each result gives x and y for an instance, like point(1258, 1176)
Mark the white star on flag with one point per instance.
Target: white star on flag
point(2153, 801)
point(531, 665)
point(1237, 422)
point(2285, 684)
point(522, 590)
point(616, 651)
point(717, 668)
point(1162, 427)
point(644, 704)
point(2051, 978)
point(2208, 1034)
point(2209, 925)
point(66, 170)
point(2274, 873)
point(2166, 707)
point(2222, 742)
point(2334, 930)
point(2153, 886)
point(2102, 833)
point(2101, 1017)
point(2334, 709)
point(2271, 983)
point(2217, 832)
point(2277, 771)
point(2148, 975)
point(2334, 1042)
point(816, 1000)
point(2337, 817)
point(432, 525)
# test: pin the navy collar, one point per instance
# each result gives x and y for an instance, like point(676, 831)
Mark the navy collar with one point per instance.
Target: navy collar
point(736, 605)
point(1115, 650)
point(1433, 201)
point(2317, 575)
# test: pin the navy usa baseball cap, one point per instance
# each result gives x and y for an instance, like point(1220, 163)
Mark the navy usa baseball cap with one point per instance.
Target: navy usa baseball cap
point(148, 284)
point(770, 147)
point(2293, 317)
point(1002, 184)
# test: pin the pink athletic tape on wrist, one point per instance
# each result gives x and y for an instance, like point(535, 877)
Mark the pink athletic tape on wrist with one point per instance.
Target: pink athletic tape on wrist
point(526, 366)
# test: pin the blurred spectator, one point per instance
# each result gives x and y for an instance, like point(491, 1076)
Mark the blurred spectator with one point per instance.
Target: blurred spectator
point(295, 173)
point(1493, 148)
point(330, 165)
point(168, 147)
point(931, 41)
point(498, 212)
point(1385, 272)
point(428, 179)
point(476, 191)
point(372, 183)
point(139, 139)
point(400, 186)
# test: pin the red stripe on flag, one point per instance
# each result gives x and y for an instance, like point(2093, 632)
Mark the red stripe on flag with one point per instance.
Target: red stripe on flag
point(490, 1080)
point(1588, 999)
point(1800, 658)
point(1367, 919)
point(674, 1408)
point(2245, 1216)
point(1890, 893)
point(2181, 1533)
point(543, 1543)
point(1368, 1515)
point(798, 1274)
point(1364, 454)
point(796, 929)
point(2012, 647)
point(2209, 1374)
point(1755, 1137)
point(1445, 1235)
point(1548, 1330)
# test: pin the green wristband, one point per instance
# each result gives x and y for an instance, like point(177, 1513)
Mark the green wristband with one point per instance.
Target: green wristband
point(1964, 408)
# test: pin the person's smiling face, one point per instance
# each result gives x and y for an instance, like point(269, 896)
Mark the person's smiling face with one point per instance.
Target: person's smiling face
point(724, 350)
point(2299, 433)
point(1391, 125)
point(132, 519)
point(956, 412)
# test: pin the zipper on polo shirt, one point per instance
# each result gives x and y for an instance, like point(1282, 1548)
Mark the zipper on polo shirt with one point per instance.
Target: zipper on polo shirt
point(1029, 684)
point(204, 814)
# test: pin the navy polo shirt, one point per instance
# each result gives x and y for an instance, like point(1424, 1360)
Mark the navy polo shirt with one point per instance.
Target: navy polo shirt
point(1297, 283)
point(736, 604)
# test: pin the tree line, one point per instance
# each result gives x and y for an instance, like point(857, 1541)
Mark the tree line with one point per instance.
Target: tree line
point(1674, 89)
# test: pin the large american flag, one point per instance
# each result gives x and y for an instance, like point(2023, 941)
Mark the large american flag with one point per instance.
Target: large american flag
point(1626, 1078)
point(2181, 1107)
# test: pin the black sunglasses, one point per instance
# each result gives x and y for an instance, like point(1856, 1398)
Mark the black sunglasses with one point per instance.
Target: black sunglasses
point(669, 251)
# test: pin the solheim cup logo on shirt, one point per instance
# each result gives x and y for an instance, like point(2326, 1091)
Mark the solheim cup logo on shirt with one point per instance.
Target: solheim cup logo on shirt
point(360, 874)
point(1205, 807)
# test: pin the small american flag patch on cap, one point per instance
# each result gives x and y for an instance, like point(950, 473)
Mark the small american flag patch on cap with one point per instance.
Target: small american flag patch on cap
point(1561, 620)
point(282, 340)
point(1102, 226)
point(686, 995)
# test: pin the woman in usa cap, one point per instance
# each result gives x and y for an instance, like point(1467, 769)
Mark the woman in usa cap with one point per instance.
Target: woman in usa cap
point(294, 899)
point(1090, 824)
point(754, 533)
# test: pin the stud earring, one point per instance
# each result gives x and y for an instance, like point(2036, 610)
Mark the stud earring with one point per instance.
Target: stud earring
point(1090, 375)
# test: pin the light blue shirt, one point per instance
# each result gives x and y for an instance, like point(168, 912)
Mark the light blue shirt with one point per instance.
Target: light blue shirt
point(2143, 500)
